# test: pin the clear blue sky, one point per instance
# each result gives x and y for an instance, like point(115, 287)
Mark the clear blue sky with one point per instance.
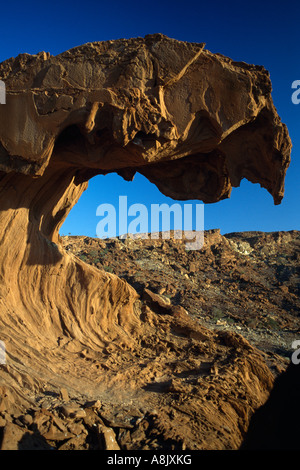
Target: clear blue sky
point(258, 32)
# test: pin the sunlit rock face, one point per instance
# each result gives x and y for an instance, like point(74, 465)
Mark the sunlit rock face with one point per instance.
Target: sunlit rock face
point(131, 105)
point(192, 122)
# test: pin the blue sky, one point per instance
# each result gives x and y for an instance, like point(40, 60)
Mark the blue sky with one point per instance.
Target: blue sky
point(258, 32)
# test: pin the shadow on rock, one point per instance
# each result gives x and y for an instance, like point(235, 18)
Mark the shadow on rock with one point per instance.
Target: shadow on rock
point(275, 426)
point(17, 438)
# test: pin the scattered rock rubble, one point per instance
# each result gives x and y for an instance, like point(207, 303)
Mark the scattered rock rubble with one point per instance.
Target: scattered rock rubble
point(246, 282)
point(218, 326)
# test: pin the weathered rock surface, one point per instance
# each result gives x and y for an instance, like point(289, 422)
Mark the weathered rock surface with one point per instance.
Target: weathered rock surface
point(248, 282)
point(192, 122)
point(194, 381)
point(120, 105)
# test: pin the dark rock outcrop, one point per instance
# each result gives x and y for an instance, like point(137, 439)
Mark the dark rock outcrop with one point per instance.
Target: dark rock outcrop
point(275, 426)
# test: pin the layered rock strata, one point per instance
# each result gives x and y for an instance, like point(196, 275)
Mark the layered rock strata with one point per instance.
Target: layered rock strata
point(194, 123)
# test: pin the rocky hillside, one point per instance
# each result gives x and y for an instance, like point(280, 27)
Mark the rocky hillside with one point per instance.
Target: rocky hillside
point(213, 336)
point(127, 343)
point(244, 282)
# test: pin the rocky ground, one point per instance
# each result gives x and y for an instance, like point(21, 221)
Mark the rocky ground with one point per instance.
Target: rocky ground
point(218, 330)
point(244, 282)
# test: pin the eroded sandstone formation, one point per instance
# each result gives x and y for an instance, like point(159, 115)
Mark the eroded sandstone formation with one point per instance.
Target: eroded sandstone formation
point(194, 123)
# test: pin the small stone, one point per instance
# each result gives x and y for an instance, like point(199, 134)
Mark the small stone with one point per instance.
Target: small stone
point(71, 411)
point(161, 290)
point(59, 423)
point(74, 443)
point(193, 267)
point(54, 434)
point(26, 419)
point(76, 428)
point(107, 437)
point(2, 422)
point(95, 404)
point(64, 394)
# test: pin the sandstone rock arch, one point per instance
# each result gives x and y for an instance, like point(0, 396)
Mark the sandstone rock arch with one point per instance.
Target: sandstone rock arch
point(194, 123)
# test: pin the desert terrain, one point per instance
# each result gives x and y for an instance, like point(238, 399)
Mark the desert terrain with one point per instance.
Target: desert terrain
point(213, 318)
point(128, 344)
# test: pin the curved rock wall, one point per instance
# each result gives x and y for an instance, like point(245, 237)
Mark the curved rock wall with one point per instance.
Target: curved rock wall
point(194, 123)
